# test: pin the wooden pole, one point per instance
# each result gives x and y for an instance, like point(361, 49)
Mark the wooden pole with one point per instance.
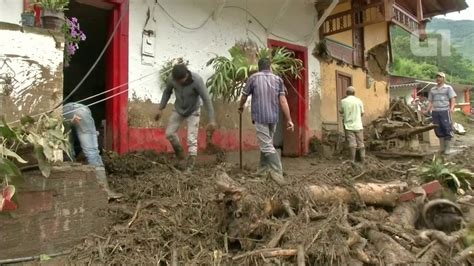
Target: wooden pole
point(240, 139)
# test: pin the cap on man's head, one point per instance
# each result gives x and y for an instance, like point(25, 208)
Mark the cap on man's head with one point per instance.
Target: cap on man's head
point(350, 90)
point(441, 74)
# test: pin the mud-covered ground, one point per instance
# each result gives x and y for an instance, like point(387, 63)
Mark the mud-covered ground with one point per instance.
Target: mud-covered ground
point(168, 217)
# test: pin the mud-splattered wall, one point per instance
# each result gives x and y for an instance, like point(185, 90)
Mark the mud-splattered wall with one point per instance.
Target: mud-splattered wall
point(31, 70)
point(238, 20)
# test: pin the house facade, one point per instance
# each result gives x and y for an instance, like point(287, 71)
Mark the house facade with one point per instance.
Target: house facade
point(408, 88)
point(341, 43)
point(355, 48)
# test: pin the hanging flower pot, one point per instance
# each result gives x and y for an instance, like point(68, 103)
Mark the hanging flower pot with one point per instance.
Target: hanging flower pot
point(52, 16)
point(28, 19)
point(52, 19)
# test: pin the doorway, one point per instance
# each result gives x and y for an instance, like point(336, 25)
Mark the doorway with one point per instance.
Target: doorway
point(94, 22)
point(343, 80)
point(294, 143)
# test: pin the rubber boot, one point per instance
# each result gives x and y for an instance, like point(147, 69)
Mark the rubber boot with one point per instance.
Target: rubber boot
point(191, 162)
point(102, 180)
point(447, 147)
point(442, 146)
point(353, 154)
point(263, 165)
point(276, 168)
point(179, 152)
point(362, 155)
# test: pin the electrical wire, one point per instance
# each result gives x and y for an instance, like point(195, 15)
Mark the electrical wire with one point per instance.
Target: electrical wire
point(96, 95)
point(226, 7)
point(181, 24)
point(124, 12)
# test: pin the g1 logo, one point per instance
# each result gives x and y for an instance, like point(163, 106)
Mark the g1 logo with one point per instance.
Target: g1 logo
point(438, 43)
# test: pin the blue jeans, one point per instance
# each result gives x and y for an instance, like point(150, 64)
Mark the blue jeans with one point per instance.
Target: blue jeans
point(85, 132)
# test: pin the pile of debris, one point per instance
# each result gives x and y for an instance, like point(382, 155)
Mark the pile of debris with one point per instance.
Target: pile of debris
point(336, 215)
point(398, 133)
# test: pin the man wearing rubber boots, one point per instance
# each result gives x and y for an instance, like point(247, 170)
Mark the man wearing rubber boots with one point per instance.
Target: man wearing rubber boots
point(189, 90)
point(352, 110)
point(442, 100)
point(268, 95)
point(82, 125)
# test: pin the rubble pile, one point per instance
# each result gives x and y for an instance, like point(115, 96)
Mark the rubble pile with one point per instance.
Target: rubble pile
point(221, 215)
point(398, 132)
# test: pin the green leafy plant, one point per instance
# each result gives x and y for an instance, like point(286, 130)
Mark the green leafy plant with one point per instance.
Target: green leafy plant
point(449, 174)
point(165, 71)
point(231, 73)
point(46, 135)
point(56, 5)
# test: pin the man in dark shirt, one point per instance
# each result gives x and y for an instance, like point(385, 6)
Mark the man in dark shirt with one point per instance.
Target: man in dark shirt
point(189, 91)
point(268, 95)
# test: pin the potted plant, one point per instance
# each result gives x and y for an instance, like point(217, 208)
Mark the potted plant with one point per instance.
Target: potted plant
point(53, 13)
point(28, 18)
point(231, 73)
point(72, 35)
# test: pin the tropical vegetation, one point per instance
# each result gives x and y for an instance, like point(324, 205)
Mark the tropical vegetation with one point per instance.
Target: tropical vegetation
point(231, 73)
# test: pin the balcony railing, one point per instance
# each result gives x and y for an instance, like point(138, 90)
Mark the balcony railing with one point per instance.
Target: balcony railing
point(404, 19)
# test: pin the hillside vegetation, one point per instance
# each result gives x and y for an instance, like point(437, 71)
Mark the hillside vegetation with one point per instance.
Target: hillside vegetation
point(410, 61)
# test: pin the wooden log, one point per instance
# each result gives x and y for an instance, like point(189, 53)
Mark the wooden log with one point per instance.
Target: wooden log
point(410, 131)
point(300, 257)
point(405, 215)
point(370, 193)
point(276, 239)
point(389, 249)
point(268, 253)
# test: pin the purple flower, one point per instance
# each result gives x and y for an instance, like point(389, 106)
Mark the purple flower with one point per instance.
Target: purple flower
point(74, 33)
point(71, 48)
point(74, 19)
point(83, 36)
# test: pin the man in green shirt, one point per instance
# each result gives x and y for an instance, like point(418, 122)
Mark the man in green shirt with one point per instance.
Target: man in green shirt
point(352, 110)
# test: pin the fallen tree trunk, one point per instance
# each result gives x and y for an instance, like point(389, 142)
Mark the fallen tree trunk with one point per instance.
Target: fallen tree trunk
point(370, 193)
point(390, 250)
point(405, 215)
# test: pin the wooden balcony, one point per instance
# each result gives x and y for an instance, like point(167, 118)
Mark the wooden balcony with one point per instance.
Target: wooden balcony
point(347, 20)
point(371, 14)
point(405, 19)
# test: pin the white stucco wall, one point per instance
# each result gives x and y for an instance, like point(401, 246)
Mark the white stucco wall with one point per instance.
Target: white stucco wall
point(31, 70)
point(214, 37)
point(10, 11)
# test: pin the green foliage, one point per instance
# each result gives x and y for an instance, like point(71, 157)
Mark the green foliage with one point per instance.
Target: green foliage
point(407, 63)
point(45, 134)
point(231, 74)
point(449, 174)
point(57, 5)
point(462, 34)
point(165, 71)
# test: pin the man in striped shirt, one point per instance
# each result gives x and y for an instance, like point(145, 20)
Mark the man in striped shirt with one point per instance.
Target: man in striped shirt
point(442, 100)
point(268, 95)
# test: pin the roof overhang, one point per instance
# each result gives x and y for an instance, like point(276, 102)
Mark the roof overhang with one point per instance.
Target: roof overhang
point(433, 8)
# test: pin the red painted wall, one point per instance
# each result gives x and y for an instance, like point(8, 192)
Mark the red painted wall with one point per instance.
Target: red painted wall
point(154, 138)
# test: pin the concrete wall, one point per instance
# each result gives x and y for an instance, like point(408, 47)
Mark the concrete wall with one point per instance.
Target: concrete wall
point(10, 11)
point(237, 21)
point(31, 64)
point(375, 93)
point(54, 214)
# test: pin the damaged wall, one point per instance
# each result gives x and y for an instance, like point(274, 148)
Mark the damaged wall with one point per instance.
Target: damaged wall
point(371, 86)
point(31, 70)
point(204, 37)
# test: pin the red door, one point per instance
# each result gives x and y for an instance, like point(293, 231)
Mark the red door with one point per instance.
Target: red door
point(295, 143)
